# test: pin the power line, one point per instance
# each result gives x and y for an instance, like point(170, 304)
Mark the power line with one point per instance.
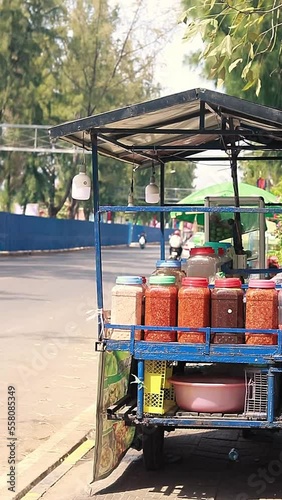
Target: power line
point(32, 139)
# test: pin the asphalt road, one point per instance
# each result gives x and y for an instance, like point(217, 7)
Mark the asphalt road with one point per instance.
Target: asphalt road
point(47, 333)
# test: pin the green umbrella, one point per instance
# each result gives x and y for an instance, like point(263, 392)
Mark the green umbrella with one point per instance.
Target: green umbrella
point(225, 190)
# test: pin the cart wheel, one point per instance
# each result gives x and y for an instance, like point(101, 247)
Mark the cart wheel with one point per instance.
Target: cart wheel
point(153, 442)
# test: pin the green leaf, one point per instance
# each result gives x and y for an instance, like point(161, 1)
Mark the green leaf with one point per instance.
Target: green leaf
point(258, 87)
point(229, 45)
point(251, 51)
point(215, 51)
point(226, 46)
point(185, 16)
point(191, 31)
point(213, 72)
point(246, 70)
point(252, 36)
point(205, 51)
point(234, 64)
point(249, 85)
point(221, 77)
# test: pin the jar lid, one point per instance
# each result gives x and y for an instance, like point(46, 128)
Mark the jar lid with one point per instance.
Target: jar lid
point(202, 251)
point(225, 245)
point(228, 283)
point(162, 280)
point(261, 284)
point(129, 280)
point(169, 263)
point(213, 244)
point(195, 282)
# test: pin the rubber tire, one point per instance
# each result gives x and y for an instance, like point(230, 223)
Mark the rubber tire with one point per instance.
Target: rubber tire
point(153, 444)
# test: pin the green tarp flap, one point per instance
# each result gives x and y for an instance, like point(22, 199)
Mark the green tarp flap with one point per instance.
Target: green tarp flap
point(249, 221)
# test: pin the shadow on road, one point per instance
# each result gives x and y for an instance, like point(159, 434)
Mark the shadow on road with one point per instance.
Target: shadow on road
point(205, 470)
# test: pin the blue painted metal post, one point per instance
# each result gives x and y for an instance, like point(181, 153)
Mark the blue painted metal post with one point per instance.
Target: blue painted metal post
point(97, 233)
point(271, 394)
point(162, 214)
point(140, 388)
point(130, 232)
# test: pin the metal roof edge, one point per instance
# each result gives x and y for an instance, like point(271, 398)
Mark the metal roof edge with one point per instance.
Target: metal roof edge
point(126, 112)
point(242, 106)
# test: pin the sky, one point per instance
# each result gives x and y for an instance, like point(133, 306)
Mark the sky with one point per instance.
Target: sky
point(170, 70)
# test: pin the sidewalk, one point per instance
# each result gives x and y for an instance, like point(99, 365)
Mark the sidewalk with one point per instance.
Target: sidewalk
point(205, 471)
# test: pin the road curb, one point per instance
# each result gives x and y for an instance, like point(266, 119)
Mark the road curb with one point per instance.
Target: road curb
point(38, 487)
point(24, 253)
point(50, 454)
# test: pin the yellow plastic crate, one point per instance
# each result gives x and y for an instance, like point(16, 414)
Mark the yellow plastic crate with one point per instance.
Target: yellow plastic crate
point(158, 392)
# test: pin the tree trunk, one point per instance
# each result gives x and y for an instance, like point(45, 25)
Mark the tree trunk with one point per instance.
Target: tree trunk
point(73, 208)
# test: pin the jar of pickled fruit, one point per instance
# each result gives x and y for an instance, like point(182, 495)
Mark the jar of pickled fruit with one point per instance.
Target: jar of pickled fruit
point(170, 268)
point(261, 311)
point(193, 309)
point(161, 308)
point(203, 263)
point(227, 310)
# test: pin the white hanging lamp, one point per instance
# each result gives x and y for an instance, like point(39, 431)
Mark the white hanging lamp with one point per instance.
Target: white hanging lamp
point(81, 185)
point(152, 192)
point(130, 200)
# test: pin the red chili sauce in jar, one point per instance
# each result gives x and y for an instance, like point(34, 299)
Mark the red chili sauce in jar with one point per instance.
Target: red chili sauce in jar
point(261, 311)
point(161, 308)
point(193, 309)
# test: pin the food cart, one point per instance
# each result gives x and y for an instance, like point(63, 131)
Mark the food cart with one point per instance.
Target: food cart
point(136, 400)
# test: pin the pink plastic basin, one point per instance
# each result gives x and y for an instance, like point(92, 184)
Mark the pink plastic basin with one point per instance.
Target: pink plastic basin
point(209, 394)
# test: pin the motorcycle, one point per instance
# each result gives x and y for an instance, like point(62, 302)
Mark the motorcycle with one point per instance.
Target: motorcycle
point(142, 242)
point(175, 253)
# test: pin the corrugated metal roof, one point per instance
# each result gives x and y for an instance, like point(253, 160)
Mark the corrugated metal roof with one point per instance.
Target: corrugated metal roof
point(177, 126)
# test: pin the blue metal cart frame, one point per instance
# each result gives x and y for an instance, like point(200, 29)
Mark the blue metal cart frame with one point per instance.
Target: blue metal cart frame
point(226, 124)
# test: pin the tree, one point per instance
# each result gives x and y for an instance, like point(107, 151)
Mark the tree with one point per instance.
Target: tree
point(64, 60)
point(242, 41)
point(105, 68)
point(29, 54)
point(242, 51)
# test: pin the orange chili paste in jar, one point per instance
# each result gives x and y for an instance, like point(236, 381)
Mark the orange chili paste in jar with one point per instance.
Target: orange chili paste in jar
point(261, 311)
point(227, 310)
point(193, 309)
point(161, 308)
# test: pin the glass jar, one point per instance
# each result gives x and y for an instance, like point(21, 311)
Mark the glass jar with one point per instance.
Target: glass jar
point(261, 311)
point(203, 263)
point(193, 309)
point(227, 310)
point(161, 308)
point(170, 268)
point(127, 305)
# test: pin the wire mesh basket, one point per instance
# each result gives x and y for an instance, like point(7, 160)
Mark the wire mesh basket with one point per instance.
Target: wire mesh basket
point(256, 393)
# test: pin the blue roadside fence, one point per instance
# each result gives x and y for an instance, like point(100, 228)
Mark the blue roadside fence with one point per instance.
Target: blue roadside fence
point(19, 233)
